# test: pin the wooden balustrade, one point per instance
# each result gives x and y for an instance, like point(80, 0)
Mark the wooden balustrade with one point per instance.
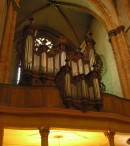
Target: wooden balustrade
point(49, 97)
point(24, 96)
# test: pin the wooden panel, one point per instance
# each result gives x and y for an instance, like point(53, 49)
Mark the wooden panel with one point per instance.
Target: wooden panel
point(53, 98)
point(118, 106)
point(4, 95)
point(126, 107)
point(49, 96)
point(34, 97)
point(108, 104)
point(17, 97)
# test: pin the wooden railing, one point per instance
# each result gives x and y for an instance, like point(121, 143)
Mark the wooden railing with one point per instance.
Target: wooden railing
point(115, 104)
point(49, 97)
point(24, 96)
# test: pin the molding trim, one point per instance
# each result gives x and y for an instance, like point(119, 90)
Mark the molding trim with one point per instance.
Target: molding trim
point(44, 131)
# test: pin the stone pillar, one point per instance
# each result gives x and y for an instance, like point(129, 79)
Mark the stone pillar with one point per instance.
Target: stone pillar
point(5, 39)
point(44, 132)
point(127, 7)
point(125, 55)
point(110, 135)
point(121, 57)
point(10, 43)
point(3, 11)
point(1, 135)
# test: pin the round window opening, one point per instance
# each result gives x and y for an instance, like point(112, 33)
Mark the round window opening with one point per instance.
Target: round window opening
point(43, 42)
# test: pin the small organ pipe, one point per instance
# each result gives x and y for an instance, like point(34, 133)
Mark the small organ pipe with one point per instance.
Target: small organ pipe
point(67, 84)
point(96, 89)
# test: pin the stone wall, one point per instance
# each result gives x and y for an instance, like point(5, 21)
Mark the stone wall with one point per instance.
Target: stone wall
point(103, 47)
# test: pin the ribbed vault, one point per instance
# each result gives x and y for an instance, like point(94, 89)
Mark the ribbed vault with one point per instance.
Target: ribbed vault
point(69, 18)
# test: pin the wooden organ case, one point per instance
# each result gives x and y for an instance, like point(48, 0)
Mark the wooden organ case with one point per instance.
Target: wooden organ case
point(76, 72)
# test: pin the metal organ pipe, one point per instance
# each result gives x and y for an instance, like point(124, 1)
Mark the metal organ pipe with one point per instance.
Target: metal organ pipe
point(50, 65)
point(79, 87)
point(63, 58)
point(28, 52)
point(74, 68)
point(36, 63)
point(91, 93)
point(80, 63)
point(57, 64)
point(74, 91)
point(91, 58)
point(84, 88)
point(67, 84)
point(43, 62)
point(96, 89)
point(86, 68)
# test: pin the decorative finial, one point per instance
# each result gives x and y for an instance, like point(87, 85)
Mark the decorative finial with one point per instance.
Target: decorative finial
point(89, 40)
point(63, 40)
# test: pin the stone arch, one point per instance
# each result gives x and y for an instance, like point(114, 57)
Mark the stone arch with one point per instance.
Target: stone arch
point(105, 14)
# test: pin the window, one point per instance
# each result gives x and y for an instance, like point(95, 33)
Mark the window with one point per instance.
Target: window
point(42, 42)
point(19, 73)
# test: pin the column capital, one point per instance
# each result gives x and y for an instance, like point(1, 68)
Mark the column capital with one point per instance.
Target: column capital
point(109, 134)
point(14, 4)
point(44, 131)
point(115, 31)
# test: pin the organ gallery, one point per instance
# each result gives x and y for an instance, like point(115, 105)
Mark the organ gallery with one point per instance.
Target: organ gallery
point(75, 71)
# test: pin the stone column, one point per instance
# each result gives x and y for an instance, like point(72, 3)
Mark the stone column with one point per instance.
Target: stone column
point(1, 135)
point(110, 135)
point(5, 39)
point(124, 53)
point(44, 132)
point(127, 7)
point(117, 50)
point(10, 43)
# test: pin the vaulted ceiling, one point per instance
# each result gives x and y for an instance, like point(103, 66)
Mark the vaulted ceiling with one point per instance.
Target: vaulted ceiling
point(53, 18)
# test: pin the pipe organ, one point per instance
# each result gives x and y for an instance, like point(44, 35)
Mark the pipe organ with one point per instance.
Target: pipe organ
point(76, 72)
